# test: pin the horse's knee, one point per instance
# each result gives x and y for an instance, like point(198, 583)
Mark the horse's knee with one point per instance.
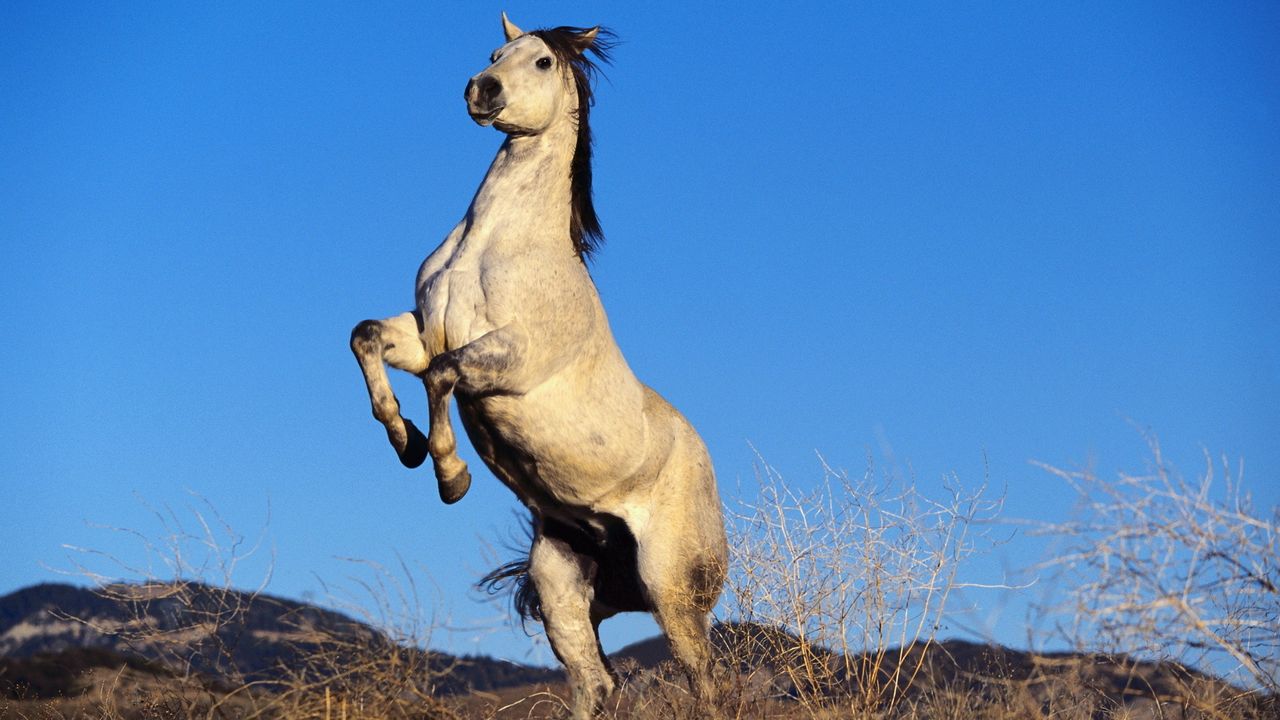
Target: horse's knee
point(442, 375)
point(366, 336)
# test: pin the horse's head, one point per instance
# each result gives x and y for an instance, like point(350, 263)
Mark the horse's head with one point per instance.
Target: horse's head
point(536, 78)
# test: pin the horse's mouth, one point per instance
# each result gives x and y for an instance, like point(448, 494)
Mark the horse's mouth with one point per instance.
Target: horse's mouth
point(486, 119)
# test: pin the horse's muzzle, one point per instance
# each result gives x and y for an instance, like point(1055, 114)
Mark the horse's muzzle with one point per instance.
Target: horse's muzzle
point(484, 99)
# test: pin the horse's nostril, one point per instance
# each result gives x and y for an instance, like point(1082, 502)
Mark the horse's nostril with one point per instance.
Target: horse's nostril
point(466, 94)
point(489, 88)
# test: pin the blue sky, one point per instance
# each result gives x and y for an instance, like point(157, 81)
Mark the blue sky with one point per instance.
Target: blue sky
point(950, 238)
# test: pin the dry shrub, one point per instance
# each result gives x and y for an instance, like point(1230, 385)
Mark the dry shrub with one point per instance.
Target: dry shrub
point(835, 583)
point(1162, 567)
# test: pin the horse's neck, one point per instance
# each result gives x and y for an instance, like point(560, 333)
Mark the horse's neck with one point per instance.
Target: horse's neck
point(525, 195)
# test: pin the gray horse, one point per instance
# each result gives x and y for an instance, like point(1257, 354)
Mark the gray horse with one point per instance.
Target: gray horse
point(623, 498)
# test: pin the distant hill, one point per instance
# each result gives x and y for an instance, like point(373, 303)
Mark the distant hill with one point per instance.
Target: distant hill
point(223, 635)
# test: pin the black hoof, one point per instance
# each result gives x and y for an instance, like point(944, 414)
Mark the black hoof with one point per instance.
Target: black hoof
point(453, 488)
point(415, 451)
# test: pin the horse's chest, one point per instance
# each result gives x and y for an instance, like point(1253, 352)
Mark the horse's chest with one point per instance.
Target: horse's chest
point(453, 309)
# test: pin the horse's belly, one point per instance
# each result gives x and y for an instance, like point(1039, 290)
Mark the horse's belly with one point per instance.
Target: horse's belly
point(574, 449)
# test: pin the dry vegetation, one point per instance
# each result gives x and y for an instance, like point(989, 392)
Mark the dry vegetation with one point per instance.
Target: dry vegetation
point(836, 594)
point(851, 565)
point(1164, 567)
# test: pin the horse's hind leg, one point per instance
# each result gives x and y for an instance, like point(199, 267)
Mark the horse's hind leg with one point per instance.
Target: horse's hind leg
point(394, 341)
point(562, 578)
point(682, 561)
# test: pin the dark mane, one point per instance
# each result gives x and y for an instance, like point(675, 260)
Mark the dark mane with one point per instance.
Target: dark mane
point(566, 43)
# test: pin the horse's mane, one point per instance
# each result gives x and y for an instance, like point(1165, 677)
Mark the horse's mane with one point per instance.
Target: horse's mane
point(566, 43)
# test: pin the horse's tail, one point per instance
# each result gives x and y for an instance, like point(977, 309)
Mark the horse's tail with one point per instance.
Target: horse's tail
point(514, 577)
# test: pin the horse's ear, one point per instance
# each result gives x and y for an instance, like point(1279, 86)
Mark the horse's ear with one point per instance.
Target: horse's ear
point(585, 39)
point(509, 28)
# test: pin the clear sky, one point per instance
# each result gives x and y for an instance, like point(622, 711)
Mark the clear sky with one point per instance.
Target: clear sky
point(952, 237)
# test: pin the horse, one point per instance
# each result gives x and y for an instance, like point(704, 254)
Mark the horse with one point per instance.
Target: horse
point(622, 497)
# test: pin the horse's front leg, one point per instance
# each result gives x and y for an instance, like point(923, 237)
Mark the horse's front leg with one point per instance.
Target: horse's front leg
point(483, 366)
point(394, 341)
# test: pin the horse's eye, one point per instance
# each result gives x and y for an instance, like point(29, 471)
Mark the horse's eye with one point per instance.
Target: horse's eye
point(544, 63)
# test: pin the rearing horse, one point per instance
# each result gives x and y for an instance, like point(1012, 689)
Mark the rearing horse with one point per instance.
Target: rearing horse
point(621, 490)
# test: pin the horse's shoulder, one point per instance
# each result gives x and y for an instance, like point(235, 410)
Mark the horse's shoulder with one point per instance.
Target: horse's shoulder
point(535, 281)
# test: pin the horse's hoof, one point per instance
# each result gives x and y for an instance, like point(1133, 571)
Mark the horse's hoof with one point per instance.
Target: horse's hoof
point(454, 486)
point(415, 450)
